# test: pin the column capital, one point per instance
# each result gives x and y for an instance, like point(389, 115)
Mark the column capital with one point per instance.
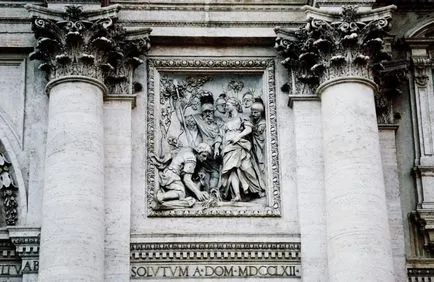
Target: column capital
point(343, 42)
point(333, 45)
point(91, 43)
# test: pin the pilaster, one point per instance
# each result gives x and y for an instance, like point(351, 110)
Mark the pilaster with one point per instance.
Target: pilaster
point(422, 85)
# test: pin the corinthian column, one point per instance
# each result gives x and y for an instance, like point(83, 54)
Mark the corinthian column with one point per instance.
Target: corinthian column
point(339, 56)
point(84, 53)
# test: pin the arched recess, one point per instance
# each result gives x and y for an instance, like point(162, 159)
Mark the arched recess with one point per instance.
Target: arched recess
point(12, 195)
point(424, 29)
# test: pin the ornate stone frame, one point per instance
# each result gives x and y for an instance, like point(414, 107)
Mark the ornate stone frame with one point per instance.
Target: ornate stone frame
point(219, 65)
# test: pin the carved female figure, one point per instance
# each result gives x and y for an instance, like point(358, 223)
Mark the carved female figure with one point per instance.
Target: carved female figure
point(257, 117)
point(238, 175)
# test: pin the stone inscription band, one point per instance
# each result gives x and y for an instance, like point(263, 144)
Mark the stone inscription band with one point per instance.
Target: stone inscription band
point(213, 260)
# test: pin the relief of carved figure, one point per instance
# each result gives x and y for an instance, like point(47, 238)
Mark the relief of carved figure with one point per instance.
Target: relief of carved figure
point(231, 126)
point(176, 174)
point(220, 108)
point(247, 103)
point(257, 117)
point(209, 127)
point(240, 177)
point(231, 109)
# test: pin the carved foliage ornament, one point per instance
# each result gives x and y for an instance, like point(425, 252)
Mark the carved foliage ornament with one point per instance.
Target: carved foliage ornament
point(324, 50)
point(8, 192)
point(98, 48)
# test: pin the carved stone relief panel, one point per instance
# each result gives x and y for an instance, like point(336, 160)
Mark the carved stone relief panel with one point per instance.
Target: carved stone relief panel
point(212, 138)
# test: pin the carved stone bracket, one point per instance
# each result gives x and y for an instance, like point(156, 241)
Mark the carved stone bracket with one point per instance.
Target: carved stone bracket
point(332, 45)
point(421, 65)
point(8, 192)
point(88, 43)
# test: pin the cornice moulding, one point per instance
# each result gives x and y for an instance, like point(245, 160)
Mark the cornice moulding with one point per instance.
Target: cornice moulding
point(363, 14)
point(58, 14)
point(385, 126)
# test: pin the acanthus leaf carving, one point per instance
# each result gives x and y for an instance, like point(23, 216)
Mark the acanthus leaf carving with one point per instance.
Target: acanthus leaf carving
point(96, 47)
point(328, 49)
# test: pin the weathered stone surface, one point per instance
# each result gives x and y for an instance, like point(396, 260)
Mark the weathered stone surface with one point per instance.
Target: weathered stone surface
point(73, 203)
point(354, 184)
point(215, 31)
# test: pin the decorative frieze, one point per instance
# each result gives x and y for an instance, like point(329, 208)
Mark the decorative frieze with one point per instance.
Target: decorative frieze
point(420, 274)
point(87, 43)
point(215, 259)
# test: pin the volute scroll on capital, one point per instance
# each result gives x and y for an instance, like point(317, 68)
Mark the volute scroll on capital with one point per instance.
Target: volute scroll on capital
point(327, 49)
point(89, 43)
point(333, 45)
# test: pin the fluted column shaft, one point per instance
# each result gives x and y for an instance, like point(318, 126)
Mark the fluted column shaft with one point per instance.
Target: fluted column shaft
point(72, 235)
point(358, 238)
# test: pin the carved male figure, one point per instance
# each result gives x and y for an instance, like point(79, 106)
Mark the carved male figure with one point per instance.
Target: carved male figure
point(176, 175)
point(211, 135)
point(221, 108)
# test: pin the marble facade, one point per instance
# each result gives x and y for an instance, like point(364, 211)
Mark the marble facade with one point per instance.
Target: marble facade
point(216, 140)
